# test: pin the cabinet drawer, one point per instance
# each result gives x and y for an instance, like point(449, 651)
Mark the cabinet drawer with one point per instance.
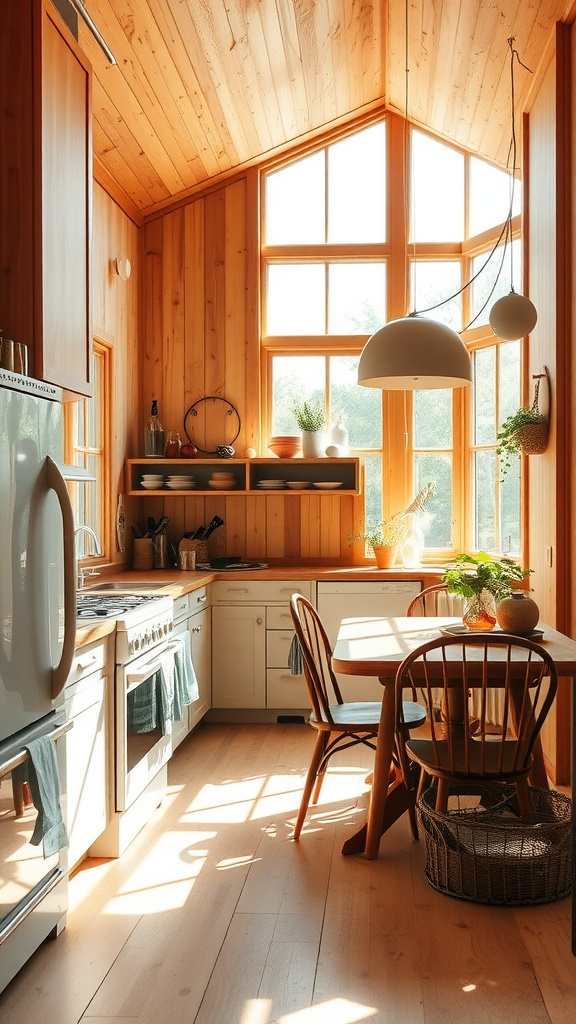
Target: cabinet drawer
point(258, 591)
point(278, 647)
point(286, 691)
point(278, 617)
point(91, 658)
point(83, 694)
point(190, 603)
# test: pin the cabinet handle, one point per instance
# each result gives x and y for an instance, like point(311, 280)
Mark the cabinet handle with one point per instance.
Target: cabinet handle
point(237, 590)
point(196, 629)
point(83, 663)
point(201, 600)
point(259, 621)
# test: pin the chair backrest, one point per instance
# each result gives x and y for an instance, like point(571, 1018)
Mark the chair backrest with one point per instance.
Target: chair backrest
point(521, 670)
point(436, 601)
point(317, 654)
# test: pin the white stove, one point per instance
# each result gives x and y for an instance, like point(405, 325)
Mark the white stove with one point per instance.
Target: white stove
point(142, 620)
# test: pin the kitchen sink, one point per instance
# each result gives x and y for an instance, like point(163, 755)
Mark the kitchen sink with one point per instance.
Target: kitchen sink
point(124, 588)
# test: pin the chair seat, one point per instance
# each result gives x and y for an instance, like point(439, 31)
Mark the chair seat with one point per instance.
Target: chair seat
point(498, 761)
point(355, 714)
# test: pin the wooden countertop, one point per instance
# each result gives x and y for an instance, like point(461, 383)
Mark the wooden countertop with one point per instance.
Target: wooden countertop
point(174, 583)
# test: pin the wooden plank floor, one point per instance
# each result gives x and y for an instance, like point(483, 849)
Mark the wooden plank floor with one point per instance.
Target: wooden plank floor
point(213, 916)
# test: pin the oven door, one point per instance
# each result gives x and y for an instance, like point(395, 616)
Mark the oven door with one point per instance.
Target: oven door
point(143, 740)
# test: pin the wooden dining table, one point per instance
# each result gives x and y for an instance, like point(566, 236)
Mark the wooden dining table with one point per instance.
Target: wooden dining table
point(375, 646)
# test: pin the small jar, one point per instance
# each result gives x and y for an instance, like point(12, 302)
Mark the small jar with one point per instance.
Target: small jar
point(173, 445)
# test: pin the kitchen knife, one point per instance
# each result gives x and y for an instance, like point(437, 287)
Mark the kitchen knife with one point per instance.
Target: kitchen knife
point(212, 525)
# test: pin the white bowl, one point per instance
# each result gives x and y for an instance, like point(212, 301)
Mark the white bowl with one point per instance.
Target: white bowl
point(152, 476)
point(298, 485)
point(152, 485)
point(327, 485)
point(179, 485)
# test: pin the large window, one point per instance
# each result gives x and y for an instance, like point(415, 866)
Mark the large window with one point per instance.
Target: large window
point(337, 263)
point(85, 427)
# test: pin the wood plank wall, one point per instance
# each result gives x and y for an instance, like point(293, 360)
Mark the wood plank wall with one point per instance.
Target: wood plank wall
point(115, 319)
point(550, 345)
point(201, 338)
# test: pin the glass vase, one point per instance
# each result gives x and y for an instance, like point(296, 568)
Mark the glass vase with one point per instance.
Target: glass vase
point(413, 545)
point(479, 611)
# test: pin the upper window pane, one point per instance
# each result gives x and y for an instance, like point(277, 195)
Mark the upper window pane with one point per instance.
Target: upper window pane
point(296, 298)
point(484, 396)
point(496, 269)
point(433, 281)
point(437, 205)
point(432, 419)
point(360, 409)
point(357, 297)
point(295, 203)
point(490, 194)
point(357, 187)
point(295, 379)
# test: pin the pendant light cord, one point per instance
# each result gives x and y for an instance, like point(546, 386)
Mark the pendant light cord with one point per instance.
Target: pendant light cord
point(506, 232)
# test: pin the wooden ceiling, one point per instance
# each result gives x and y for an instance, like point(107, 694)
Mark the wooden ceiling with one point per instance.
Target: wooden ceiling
point(204, 87)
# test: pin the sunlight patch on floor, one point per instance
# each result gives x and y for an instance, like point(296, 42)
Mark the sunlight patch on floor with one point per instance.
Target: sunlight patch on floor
point(174, 860)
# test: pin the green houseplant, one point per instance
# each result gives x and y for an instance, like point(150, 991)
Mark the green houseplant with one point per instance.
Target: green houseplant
point(311, 420)
point(526, 430)
point(482, 581)
point(384, 539)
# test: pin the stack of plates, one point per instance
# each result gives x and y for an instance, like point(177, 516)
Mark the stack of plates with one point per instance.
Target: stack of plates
point(181, 483)
point(152, 481)
point(271, 485)
point(327, 485)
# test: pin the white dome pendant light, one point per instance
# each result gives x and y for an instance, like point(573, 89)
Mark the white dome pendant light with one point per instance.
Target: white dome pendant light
point(414, 353)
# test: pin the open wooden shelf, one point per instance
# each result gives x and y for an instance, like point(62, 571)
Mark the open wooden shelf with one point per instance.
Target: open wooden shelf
point(249, 474)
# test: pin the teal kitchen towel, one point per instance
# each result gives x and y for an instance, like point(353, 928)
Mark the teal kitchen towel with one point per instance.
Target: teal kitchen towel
point(295, 657)
point(186, 689)
point(40, 771)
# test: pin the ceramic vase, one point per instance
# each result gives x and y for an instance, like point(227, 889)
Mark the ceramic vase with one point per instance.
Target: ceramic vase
point(313, 444)
point(517, 613)
point(479, 611)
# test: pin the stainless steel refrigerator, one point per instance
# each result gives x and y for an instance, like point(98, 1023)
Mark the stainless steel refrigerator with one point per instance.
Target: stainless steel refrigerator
point(37, 636)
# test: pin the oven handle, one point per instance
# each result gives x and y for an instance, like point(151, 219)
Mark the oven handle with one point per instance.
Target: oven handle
point(134, 678)
point(22, 754)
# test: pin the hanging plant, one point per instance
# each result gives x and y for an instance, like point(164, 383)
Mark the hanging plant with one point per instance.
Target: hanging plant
point(524, 432)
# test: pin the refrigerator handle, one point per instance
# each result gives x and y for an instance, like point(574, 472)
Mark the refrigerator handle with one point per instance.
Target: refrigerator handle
point(57, 484)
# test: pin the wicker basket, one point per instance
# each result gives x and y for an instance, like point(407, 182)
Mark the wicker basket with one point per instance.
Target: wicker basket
point(487, 854)
point(532, 438)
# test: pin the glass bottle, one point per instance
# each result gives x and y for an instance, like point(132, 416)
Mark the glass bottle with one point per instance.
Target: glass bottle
point(154, 434)
point(173, 445)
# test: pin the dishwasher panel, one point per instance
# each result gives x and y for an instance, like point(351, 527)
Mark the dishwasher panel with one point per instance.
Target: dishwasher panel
point(346, 600)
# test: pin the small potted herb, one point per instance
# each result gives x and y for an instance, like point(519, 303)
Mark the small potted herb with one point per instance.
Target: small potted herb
point(311, 420)
point(384, 539)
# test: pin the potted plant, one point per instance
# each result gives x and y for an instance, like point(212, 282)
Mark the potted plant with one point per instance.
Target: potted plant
point(526, 430)
point(384, 539)
point(482, 581)
point(311, 420)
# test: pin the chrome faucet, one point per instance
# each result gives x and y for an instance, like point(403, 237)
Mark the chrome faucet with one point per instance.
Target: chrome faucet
point(82, 573)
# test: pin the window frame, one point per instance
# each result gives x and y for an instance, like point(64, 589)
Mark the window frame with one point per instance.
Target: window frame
point(398, 253)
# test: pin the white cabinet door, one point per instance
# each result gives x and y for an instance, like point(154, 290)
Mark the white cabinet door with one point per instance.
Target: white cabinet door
point(87, 775)
point(239, 656)
point(201, 647)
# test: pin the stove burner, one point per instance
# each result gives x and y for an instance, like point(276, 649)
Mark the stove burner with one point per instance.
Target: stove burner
point(89, 606)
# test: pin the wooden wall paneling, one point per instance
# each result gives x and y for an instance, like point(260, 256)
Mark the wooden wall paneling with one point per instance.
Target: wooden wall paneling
point(233, 533)
point(173, 322)
point(330, 531)
point(292, 529)
point(255, 513)
point(152, 327)
point(236, 347)
point(116, 320)
point(253, 412)
point(311, 511)
point(194, 357)
point(215, 271)
point(571, 453)
point(275, 532)
point(542, 344)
